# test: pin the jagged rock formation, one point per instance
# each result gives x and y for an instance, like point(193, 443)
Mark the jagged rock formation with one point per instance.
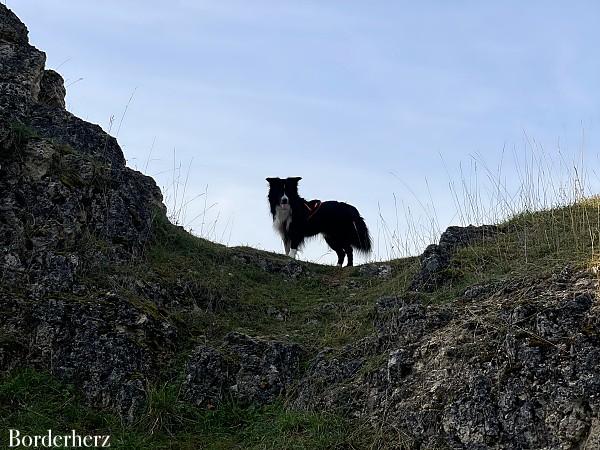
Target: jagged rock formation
point(512, 363)
point(63, 181)
point(436, 257)
point(513, 366)
point(68, 204)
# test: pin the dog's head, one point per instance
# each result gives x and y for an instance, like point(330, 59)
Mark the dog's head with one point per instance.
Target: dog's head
point(282, 190)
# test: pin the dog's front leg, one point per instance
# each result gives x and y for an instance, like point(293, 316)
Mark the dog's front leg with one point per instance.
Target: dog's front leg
point(295, 242)
point(287, 245)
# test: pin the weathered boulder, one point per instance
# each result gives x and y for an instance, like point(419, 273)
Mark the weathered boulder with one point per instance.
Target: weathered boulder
point(103, 344)
point(436, 257)
point(328, 382)
point(209, 376)
point(249, 370)
point(287, 267)
point(52, 89)
point(376, 270)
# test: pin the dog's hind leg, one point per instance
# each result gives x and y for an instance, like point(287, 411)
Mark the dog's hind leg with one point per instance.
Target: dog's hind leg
point(350, 255)
point(341, 254)
point(287, 244)
point(337, 248)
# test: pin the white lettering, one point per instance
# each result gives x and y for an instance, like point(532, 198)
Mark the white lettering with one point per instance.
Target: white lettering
point(73, 436)
point(47, 439)
point(14, 436)
point(50, 440)
point(57, 441)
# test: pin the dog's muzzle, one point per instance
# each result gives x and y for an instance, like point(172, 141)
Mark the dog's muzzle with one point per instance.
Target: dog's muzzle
point(284, 202)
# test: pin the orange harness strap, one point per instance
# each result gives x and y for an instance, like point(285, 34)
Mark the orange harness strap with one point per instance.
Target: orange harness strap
point(313, 210)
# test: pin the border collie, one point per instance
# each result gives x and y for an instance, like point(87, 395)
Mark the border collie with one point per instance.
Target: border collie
point(296, 219)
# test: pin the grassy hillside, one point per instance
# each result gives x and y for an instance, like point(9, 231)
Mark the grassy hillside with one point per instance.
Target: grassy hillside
point(209, 290)
point(531, 244)
point(254, 292)
point(34, 402)
point(327, 307)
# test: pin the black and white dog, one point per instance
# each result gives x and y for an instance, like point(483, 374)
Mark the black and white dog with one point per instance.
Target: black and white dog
point(296, 219)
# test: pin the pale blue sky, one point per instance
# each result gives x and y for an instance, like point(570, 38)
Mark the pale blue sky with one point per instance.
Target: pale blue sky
point(366, 100)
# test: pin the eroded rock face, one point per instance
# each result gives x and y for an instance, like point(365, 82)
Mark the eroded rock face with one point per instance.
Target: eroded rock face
point(63, 181)
point(101, 343)
point(69, 206)
point(514, 366)
point(327, 385)
point(209, 377)
point(12, 29)
point(21, 65)
point(246, 369)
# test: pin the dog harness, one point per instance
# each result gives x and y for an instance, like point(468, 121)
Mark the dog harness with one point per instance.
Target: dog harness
point(312, 207)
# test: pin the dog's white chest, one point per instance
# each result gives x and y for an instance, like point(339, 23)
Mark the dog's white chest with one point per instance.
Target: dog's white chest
point(283, 219)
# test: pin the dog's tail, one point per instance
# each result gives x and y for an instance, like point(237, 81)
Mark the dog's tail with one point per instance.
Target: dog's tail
point(362, 238)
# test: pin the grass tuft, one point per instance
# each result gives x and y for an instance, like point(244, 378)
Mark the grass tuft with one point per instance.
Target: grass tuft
point(34, 402)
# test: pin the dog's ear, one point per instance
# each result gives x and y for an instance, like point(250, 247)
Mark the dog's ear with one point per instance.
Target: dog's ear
point(295, 179)
point(272, 180)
